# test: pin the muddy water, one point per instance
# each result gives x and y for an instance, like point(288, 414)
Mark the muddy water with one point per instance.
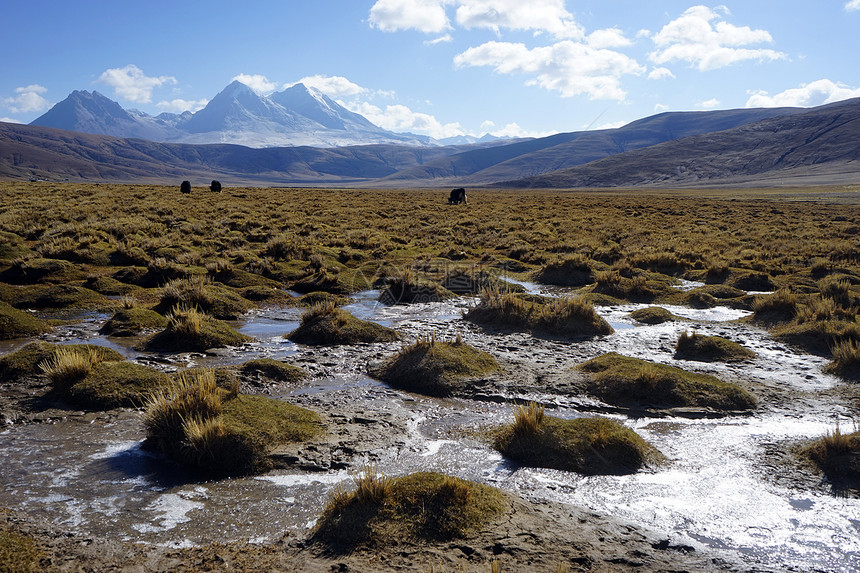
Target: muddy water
point(89, 472)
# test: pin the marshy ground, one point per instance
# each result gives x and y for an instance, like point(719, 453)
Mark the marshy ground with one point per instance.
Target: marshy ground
point(756, 289)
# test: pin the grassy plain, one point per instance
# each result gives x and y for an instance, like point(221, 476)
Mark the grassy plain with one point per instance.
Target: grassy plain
point(74, 246)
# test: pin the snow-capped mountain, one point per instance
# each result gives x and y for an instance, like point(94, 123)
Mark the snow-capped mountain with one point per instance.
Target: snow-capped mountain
point(296, 116)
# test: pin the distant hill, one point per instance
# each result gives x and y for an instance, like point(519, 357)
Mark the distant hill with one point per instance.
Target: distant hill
point(817, 145)
point(28, 151)
point(733, 147)
point(297, 116)
point(535, 157)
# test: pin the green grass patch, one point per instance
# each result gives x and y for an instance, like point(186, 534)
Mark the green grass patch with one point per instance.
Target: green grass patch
point(133, 321)
point(273, 370)
point(590, 446)
point(190, 330)
point(653, 315)
point(631, 382)
point(326, 324)
point(703, 348)
point(221, 432)
point(116, 384)
point(435, 368)
point(16, 323)
point(424, 506)
point(59, 297)
point(32, 271)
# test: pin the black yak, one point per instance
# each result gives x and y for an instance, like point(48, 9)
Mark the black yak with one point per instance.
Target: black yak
point(185, 187)
point(215, 187)
point(457, 196)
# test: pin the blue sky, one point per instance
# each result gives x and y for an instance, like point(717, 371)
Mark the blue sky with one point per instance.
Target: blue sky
point(438, 67)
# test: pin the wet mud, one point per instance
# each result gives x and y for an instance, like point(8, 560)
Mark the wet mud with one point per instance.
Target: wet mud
point(732, 496)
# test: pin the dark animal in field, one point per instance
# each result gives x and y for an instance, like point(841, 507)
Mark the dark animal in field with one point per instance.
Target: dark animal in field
point(185, 187)
point(215, 187)
point(457, 196)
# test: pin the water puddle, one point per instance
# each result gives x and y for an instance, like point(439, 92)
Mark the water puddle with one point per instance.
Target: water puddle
point(92, 475)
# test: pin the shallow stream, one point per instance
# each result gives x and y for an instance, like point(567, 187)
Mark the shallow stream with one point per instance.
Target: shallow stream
point(719, 490)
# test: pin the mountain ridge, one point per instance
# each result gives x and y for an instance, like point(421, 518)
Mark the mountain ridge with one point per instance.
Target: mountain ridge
point(296, 116)
point(787, 145)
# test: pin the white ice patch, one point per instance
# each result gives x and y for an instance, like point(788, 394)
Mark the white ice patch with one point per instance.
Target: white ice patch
point(171, 509)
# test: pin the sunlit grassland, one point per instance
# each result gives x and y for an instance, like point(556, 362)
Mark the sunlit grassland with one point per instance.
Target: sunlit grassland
point(64, 244)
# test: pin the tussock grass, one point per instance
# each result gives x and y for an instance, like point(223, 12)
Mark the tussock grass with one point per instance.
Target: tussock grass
point(585, 445)
point(574, 270)
point(435, 368)
point(779, 307)
point(189, 329)
point(132, 320)
point(28, 360)
point(326, 324)
point(199, 292)
point(846, 360)
point(653, 315)
point(636, 383)
point(407, 288)
point(68, 366)
point(219, 431)
point(565, 316)
point(703, 348)
point(837, 454)
point(528, 419)
point(612, 283)
point(421, 506)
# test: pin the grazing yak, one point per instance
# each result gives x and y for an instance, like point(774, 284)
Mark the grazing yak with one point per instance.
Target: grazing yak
point(185, 187)
point(457, 196)
point(215, 187)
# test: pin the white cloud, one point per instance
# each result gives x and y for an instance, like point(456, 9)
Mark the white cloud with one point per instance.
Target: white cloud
point(423, 15)
point(510, 130)
point(27, 99)
point(712, 103)
point(9, 120)
point(537, 15)
point(440, 40)
point(401, 118)
point(332, 86)
point(131, 84)
point(430, 16)
point(661, 107)
point(608, 38)
point(257, 82)
point(567, 67)
point(660, 74)
point(814, 93)
point(696, 38)
point(181, 105)
point(612, 125)
point(853, 5)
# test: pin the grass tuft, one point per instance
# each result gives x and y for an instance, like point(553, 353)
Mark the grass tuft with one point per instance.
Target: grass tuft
point(636, 383)
point(435, 368)
point(589, 446)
